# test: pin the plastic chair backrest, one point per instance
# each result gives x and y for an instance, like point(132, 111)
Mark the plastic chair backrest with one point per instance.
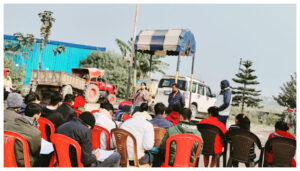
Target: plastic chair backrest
point(184, 146)
point(121, 135)
point(283, 149)
point(122, 103)
point(209, 133)
point(44, 123)
point(9, 149)
point(159, 134)
point(96, 134)
point(241, 141)
point(61, 145)
point(95, 111)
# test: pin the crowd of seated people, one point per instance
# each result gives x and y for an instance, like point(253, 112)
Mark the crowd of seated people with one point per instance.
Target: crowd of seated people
point(21, 116)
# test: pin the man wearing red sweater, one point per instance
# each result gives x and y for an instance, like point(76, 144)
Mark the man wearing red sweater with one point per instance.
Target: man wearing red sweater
point(212, 119)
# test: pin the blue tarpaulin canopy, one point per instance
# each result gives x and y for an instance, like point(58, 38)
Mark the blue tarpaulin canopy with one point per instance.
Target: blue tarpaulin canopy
point(166, 42)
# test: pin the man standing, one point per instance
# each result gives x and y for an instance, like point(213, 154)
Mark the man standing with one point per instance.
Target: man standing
point(176, 97)
point(223, 101)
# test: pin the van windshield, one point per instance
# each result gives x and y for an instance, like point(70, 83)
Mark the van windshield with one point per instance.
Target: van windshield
point(169, 82)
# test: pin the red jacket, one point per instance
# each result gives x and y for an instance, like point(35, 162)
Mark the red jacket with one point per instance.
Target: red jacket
point(214, 121)
point(173, 117)
point(279, 133)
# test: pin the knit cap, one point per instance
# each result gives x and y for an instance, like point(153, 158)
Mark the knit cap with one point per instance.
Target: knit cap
point(14, 100)
point(88, 118)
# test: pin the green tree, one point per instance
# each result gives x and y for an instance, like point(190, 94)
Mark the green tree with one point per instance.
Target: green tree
point(244, 94)
point(115, 67)
point(47, 20)
point(287, 97)
point(18, 48)
point(143, 60)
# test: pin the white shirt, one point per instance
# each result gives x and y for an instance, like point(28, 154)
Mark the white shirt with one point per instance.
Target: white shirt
point(219, 101)
point(104, 121)
point(144, 114)
point(143, 132)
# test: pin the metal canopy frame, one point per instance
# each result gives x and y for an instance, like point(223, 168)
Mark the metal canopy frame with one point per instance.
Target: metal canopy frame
point(164, 42)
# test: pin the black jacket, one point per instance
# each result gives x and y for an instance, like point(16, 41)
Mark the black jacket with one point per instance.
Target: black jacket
point(67, 111)
point(78, 131)
point(54, 116)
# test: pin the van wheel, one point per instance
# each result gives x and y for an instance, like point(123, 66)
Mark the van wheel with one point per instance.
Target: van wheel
point(194, 111)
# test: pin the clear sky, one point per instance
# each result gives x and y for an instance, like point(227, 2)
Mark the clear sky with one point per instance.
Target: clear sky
point(265, 34)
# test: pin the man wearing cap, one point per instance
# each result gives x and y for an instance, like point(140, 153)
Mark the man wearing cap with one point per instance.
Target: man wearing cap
point(223, 101)
point(79, 129)
point(14, 102)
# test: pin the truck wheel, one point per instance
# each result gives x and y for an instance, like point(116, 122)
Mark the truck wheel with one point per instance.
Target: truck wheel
point(92, 93)
point(194, 111)
point(66, 90)
point(112, 98)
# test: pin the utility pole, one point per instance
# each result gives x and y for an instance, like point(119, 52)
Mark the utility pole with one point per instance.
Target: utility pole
point(132, 55)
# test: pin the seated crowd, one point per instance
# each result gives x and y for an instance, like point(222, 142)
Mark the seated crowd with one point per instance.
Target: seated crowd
point(69, 118)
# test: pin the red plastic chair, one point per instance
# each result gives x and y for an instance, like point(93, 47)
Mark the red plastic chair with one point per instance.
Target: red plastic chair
point(122, 103)
point(95, 111)
point(184, 143)
point(61, 145)
point(9, 149)
point(96, 134)
point(43, 122)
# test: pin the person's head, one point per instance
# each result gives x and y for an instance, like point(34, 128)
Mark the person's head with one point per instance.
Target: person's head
point(56, 99)
point(177, 108)
point(185, 115)
point(33, 110)
point(14, 100)
point(69, 98)
point(102, 99)
point(282, 126)
point(143, 85)
point(174, 87)
point(88, 119)
point(143, 107)
point(6, 72)
point(31, 98)
point(159, 109)
point(5, 93)
point(79, 102)
point(46, 97)
point(108, 106)
point(242, 121)
point(224, 84)
point(213, 111)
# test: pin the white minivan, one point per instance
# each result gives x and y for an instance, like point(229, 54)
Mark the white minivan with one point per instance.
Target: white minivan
point(202, 97)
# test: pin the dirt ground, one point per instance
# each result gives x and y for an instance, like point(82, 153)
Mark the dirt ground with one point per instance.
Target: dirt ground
point(262, 131)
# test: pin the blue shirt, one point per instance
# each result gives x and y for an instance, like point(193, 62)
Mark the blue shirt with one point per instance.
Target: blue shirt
point(161, 122)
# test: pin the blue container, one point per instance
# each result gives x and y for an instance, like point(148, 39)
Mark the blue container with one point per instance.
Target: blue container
point(74, 53)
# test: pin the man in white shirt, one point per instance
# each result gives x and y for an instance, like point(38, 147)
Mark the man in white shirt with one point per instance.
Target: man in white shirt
point(143, 132)
point(143, 112)
point(104, 119)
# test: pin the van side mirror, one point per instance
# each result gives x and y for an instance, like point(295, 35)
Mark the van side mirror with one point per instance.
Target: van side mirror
point(213, 95)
